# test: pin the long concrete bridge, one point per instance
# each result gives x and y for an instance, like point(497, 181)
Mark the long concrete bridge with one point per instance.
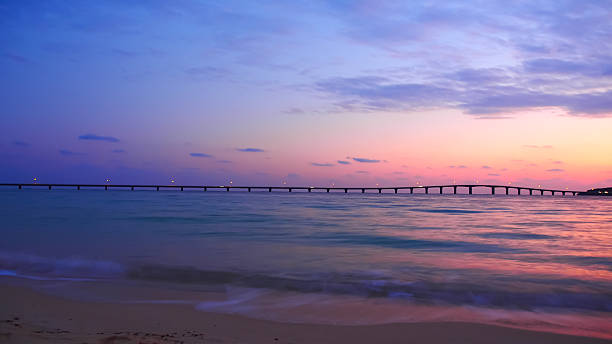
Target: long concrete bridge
point(505, 189)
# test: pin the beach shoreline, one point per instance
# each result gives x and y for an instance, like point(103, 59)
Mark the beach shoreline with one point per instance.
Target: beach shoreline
point(28, 316)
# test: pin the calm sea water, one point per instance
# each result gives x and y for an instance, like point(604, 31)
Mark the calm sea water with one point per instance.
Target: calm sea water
point(518, 260)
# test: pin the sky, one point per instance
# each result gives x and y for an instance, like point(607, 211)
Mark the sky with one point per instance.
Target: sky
point(344, 93)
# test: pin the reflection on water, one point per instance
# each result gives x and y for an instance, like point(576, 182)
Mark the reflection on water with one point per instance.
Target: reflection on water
point(550, 256)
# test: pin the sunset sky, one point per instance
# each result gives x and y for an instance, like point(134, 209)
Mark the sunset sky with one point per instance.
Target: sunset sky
point(307, 92)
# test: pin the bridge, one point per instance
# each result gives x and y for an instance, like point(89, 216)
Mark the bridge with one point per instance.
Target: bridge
point(427, 189)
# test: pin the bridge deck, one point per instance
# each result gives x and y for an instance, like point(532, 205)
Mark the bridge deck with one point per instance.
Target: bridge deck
point(412, 189)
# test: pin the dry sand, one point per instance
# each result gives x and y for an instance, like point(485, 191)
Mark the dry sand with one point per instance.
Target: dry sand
point(31, 317)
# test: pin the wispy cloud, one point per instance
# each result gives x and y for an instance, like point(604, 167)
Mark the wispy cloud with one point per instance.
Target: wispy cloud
point(294, 111)
point(94, 137)
point(555, 170)
point(206, 73)
point(200, 155)
point(366, 160)
point(250, 150)
point(562, 66)
point(485, 167)
point(66, 152)
point(538, 147)
point(321, 164)
point(15, 57)
point(21, 143)
point(459, 166)
point(344, 162)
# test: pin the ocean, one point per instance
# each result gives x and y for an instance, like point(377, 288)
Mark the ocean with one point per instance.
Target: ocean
point(537, 262)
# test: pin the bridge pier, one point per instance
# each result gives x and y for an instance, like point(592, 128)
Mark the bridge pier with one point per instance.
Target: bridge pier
point(249, 189)
point(79, 187)
point(49, 187)
point(492, 190)
point(269, 189)
point(507, 192)
point(541, 192)
point(328, 190)
point(573, 194)
point(182, 189)
point(563, 193)
point(454, 190)
point(362, 190)
point(227, 189)
point(289, 189)
point(205, 188)
point(530, 192)
point(379, 190)
point(132, 188)
point(158, 188)
point(395, 190)
point(309, 189)
point(105, 187)
point(470, 187)
point(411, 190)
point(345, 190)
point(553, 193)
point(518, 191)
point(19, 187)
point(440, 190)
point(426, 190)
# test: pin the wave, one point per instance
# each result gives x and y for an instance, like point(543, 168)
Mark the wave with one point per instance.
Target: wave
point(526, 293)
point(24, 264)
point(378, 286)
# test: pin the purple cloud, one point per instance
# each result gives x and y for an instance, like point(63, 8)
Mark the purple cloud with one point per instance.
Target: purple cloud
point(94, 137)
point(20, 143)
point(344, 162)
point(555, 170)
point(364, 160)
point(200, 155)
point(66, 152)
point(15, 57)
point(321, 164)
point(376, 93)
point(294, 111)
point(250, 150)
point(561, 67)
point(206, 73)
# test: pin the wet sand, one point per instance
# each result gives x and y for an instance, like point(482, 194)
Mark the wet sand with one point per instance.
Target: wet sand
point(27, 316)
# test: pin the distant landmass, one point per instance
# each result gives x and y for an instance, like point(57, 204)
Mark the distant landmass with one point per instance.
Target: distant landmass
point(597, 192)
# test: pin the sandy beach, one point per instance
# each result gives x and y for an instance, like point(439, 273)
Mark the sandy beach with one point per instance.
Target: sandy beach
point(27, 316)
